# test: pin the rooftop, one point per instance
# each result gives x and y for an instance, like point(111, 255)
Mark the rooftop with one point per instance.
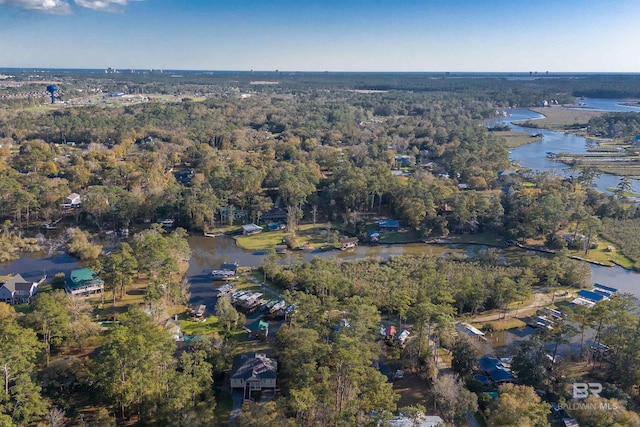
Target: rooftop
point(82, 278)
point(257, 364)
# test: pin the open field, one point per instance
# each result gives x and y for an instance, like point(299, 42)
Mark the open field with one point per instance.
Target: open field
point(489, 239)
point(516, 139)
point(317, 237)
point(561, 119)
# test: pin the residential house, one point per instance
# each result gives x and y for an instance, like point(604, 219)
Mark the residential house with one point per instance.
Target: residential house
point(259, 329)
point(254, 372)
point(172, 326)
point(185, 176)
point(494, 368)
point(84, 282)
point(504, 174)
point(17, 290)
point(390, 332)
point(402, 336)
point(274, 215)
point(225, 213)
point(591, 296)
point(405, 161)
point(73, 200)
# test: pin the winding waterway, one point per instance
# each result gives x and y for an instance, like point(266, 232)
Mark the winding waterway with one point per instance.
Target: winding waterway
point(208, 253)
point(533, 156)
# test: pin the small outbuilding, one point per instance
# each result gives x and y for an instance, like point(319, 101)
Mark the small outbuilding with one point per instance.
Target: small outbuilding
point(389, 225)
point(259, 329)
point(251, 229)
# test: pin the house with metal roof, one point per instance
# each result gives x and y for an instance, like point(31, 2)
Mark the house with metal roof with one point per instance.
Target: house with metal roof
point(259, 329)
point(590, 295)
point(84, 282)
point(495, 370)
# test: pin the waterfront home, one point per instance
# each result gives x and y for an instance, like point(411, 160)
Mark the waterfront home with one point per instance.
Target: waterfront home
point(274, 215)
point(17, 290)
point(84, 282)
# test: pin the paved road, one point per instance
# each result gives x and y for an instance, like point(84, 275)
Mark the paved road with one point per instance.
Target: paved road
point(471, 420)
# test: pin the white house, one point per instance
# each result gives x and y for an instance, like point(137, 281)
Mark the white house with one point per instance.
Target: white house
point(73, 200)
point(17, 290)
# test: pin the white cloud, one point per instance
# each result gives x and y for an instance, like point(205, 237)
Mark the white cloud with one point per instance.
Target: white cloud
point(56, 7)
point(62, 7)
point(102, 5)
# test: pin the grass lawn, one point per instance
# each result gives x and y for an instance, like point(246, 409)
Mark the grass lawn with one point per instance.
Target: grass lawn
point(502, 324)
point(490, 239)
point(412, 390)
point(558, 118)
point(208, 327)
point(248, 345)
point(267, 239)
point(399, 237)
point(516, 139)
point(602, 255)
point(225, 229)
point(134, 296)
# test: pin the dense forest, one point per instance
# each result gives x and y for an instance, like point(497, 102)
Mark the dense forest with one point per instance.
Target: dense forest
point(211, 152)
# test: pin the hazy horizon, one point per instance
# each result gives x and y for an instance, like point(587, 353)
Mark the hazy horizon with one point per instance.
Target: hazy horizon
point(485, 36)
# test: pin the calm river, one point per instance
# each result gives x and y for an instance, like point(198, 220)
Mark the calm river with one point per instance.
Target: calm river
point(533, 156)
point(208, 253)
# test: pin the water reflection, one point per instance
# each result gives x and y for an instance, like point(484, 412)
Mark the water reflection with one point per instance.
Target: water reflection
point(32, 266)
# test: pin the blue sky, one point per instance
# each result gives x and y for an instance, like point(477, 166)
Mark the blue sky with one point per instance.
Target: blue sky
point(333, 35)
